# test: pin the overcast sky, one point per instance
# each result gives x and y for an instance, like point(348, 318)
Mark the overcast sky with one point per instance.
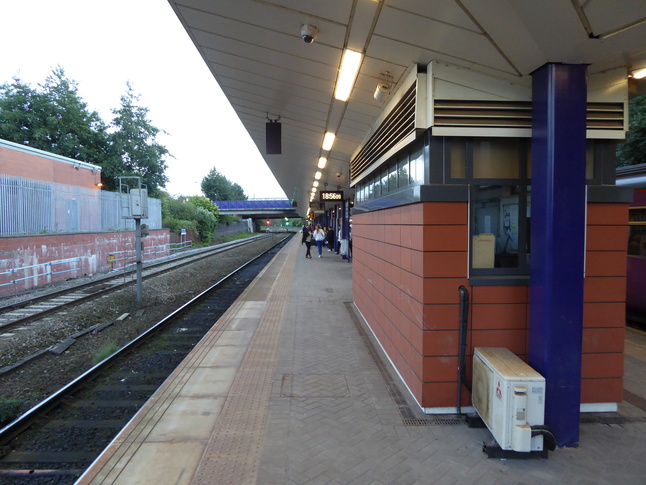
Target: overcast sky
point(104, 44)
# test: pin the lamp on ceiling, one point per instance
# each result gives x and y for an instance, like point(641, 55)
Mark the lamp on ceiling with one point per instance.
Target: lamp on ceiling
point(638, 73)
point(350, 64)
point(384, 86)
point(328, 141)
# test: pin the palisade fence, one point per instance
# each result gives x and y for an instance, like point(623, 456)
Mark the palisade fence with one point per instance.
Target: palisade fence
point(33, 207)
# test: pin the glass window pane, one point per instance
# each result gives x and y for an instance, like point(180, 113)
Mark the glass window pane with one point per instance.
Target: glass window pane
point(589, 160)
point(384, 180)
point(402, 171)
point(496, 227)
point(458, 160)
point(496, 158)
point(392, 177)
point(416, 166)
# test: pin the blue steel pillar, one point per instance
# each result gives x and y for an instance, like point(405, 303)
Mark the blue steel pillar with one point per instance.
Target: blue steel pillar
point(557, 241)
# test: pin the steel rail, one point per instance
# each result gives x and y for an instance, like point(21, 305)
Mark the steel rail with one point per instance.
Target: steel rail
point(181, 261)
point(21, 423)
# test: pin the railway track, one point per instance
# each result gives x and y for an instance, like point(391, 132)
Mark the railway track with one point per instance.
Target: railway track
point(35, 307)
point(58, 439)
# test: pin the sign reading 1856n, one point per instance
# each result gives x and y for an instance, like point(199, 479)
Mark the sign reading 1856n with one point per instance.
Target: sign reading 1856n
point(331, 195)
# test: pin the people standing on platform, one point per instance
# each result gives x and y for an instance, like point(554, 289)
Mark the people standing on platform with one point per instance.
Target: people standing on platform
point(304, 231)
point(319, 237)
point(329, 239)
point(308, 238)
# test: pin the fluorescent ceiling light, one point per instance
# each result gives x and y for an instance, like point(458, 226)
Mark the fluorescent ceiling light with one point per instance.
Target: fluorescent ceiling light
point(348, 74)
point(328, 141)
point(639, 73)
point(313, 190)
point(322, 162)
point(317, 175)
point(316, 183)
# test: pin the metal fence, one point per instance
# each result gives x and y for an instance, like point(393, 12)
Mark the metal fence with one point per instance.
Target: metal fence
point(33, 207)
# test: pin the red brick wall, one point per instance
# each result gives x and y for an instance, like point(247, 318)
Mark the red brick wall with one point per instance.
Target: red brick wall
point(91, 248)
point(408, 263)
point(15, 163)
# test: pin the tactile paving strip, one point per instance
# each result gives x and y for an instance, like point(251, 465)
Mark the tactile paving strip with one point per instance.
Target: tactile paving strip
point(233, 452)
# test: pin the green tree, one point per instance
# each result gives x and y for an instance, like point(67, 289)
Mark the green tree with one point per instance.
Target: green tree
point(216, 186)
point(134, 141)
point(633, 151)
point(53, 118)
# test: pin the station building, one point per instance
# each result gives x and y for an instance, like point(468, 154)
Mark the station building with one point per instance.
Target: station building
point(453, 209)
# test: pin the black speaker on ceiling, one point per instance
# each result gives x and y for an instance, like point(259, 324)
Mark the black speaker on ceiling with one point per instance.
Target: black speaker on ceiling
point(272, 138)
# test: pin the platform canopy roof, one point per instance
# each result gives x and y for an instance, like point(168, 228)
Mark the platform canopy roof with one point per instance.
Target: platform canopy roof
point(256, 53)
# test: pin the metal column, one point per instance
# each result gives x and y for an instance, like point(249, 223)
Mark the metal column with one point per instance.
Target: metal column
point(558, 241)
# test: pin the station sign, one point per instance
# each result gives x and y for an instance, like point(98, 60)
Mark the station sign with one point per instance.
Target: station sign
point(331, 195)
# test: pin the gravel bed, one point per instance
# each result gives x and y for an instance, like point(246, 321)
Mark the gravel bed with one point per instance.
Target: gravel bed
point(35, 380)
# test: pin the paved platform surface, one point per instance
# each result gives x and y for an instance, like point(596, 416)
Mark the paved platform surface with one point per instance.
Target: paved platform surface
point(290, 388)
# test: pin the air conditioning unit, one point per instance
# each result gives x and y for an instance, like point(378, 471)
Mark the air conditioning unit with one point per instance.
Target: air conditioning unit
point(509, 396)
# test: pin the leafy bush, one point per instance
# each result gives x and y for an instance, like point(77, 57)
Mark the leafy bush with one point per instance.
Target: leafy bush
point(196, 214)
point(206, 224)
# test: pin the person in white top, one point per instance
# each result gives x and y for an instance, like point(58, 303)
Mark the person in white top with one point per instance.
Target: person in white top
point(319, 237)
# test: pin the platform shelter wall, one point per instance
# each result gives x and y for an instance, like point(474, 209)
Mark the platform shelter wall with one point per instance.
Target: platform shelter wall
point(408, 263)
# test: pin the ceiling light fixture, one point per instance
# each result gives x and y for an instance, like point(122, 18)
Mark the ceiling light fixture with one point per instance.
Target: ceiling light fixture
point(638, 73)
point(316, 183)
point(384, 86)
point(350, 65)
point(322, 162)
point(328, 141)
point(317, 175)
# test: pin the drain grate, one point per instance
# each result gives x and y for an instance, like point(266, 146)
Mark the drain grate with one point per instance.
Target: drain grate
point(434, 422)
point(612, 419)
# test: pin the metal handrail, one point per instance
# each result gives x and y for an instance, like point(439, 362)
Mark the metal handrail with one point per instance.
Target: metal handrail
point(47, 273)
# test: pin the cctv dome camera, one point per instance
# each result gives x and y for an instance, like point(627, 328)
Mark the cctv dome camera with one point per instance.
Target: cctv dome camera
point(309, 33)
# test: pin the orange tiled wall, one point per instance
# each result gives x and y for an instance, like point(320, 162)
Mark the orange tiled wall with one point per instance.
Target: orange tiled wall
point(604, 303)
point(408, 263)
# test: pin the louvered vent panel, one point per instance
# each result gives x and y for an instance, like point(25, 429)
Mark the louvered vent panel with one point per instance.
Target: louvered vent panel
point(399, 123)
point(516, 114)
point(483, 114)
point(605, 116)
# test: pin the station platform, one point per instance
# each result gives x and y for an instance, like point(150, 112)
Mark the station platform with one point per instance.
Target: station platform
point(290, 387)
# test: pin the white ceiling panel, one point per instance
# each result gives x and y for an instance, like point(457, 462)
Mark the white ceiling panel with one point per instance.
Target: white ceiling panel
point(255, 51)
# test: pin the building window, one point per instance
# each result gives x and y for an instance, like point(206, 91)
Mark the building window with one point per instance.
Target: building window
point(500, 229)
point(402, 170)
point(497, 171)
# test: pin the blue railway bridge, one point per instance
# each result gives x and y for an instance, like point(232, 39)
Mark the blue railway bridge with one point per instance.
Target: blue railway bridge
point(258, 208)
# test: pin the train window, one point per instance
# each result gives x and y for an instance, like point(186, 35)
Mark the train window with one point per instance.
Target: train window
point(637, 237)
